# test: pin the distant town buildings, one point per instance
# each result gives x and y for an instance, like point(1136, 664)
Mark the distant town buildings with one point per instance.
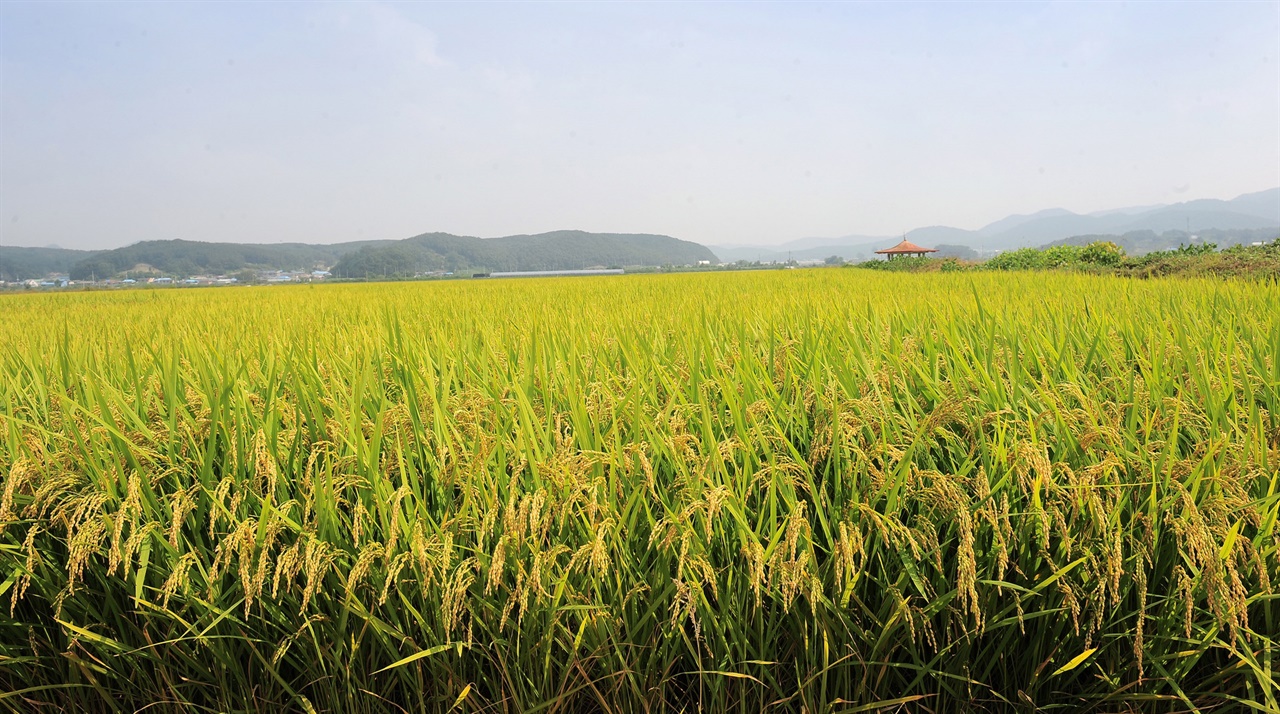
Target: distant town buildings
point(168, 281)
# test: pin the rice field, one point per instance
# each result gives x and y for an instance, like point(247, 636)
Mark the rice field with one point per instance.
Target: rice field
point(819, 491)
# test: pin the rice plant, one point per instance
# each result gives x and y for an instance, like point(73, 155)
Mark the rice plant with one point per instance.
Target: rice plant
point(821, 491)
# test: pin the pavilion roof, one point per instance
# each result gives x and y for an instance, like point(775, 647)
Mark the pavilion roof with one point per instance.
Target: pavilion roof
point(905, 246)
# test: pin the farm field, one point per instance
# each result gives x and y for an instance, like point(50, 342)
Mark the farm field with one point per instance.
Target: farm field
point(820, 490)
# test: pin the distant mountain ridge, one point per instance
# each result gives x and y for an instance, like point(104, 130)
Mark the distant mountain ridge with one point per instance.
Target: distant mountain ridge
point(1251, 211)
point(1011, 222)
point(1142, 227)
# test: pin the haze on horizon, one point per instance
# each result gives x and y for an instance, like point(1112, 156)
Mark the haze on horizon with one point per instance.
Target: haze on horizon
point(721, 124)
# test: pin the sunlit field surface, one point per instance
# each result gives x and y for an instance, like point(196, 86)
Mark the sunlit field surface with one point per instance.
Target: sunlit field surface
point(821, 490)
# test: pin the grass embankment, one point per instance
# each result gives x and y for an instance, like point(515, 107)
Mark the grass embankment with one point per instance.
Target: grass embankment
point(1104, 258)
point(817, 490)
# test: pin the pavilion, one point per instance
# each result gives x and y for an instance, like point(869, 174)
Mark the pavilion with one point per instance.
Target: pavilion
point(905, 248)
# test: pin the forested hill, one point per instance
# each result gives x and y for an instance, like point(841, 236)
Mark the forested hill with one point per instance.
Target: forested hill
point(558, 250)
point(184, 257)
point(27, 263)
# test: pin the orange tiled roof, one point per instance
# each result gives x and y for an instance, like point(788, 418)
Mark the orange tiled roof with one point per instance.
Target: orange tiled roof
point(905, 246)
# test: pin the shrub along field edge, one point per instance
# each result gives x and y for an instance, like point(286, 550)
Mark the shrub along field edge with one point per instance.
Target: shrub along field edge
point(1106, 258)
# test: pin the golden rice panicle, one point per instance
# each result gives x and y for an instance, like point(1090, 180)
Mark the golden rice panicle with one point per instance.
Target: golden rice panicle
point(20, 472)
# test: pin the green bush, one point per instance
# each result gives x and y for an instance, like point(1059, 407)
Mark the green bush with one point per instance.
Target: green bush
point(1020, 259)
point(897, 265)
point(1062, 256)
point(1102, 252)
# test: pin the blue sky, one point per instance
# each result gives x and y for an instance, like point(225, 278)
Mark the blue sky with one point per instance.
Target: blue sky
point(715, 122)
